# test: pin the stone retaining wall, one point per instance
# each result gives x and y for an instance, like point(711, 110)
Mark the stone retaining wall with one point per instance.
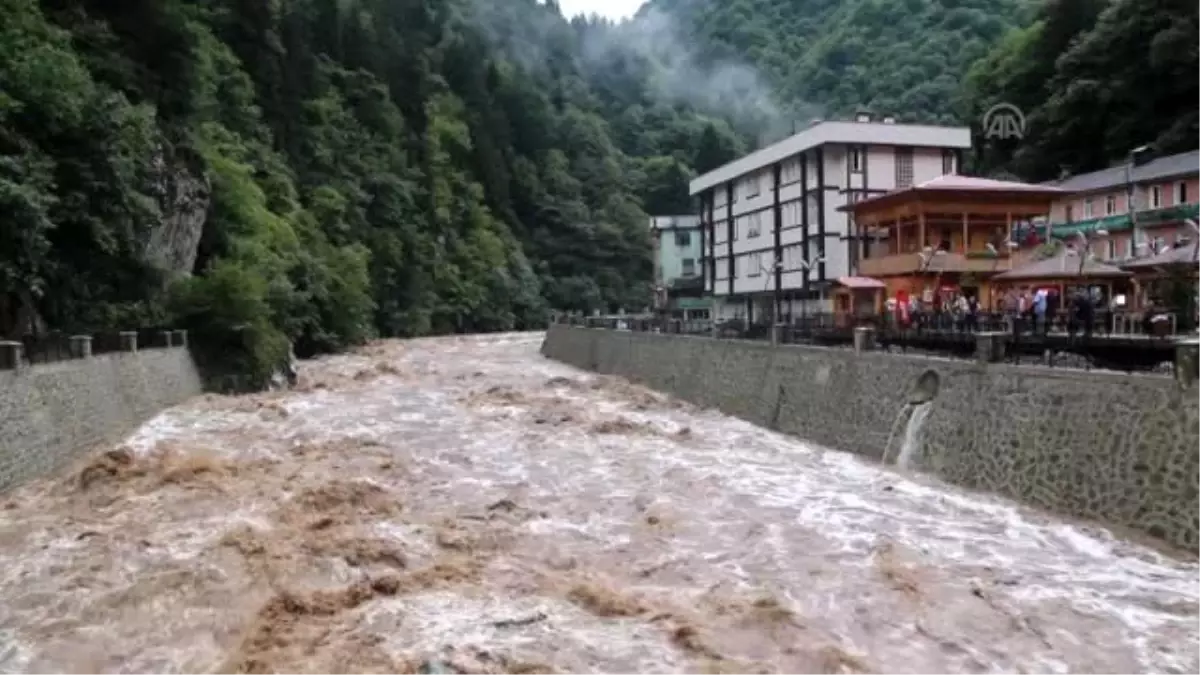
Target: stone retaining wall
point(51, 413)
point(1121, 449)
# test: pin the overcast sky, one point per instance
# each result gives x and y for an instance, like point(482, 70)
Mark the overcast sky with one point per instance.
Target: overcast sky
point(613, 9)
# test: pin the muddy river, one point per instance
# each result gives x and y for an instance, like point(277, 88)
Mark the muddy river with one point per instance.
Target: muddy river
point(463, 504)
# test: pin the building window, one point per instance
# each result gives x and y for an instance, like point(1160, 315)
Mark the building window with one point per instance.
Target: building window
point(904, 167)
point(791, 214)
point(1088, 210)
point(750, 187)
point(1181, 195)
point(856, 160)
point(1110, 249)
point(683, 239)
point(755, 226)
point(1156, 197)
point(689, 267)
point(752, 261)
point(1159, 245)
point(1070, 213)
point(1110, 205)
point(947, 162)
point(791, 170)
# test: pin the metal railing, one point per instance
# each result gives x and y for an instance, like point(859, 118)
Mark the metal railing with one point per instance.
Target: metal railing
point(1062, 339)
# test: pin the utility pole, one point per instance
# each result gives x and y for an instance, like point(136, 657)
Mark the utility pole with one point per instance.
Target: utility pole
point(1195, 257)
point(1135, 159)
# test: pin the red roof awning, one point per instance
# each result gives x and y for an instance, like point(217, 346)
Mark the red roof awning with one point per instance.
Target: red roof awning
point(861, 283)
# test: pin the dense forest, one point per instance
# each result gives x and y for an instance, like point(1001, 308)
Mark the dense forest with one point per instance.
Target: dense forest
point(1095, 78)
point(318, 172)
point(321, 171)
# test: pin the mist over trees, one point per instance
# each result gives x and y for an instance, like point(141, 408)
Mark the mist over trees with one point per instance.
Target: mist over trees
point(359, 167)
point(1094, 78)
point(319, 172)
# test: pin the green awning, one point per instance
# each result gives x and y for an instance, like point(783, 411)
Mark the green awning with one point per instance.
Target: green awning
point(691, 303)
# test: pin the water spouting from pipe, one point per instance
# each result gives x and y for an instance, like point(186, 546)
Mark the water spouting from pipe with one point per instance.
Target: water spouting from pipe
point(911, 445)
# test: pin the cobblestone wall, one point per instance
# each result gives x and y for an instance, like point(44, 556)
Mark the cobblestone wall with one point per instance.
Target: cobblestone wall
point(51, 413)
point(1121, 449)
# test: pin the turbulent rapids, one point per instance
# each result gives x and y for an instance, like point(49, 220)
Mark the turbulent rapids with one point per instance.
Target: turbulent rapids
point(465, 504)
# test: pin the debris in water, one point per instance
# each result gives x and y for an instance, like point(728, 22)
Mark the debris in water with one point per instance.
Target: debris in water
point(524, 621)
point(605, 601)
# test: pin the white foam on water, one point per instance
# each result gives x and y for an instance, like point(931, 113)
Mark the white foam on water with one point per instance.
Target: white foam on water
point(728, 506)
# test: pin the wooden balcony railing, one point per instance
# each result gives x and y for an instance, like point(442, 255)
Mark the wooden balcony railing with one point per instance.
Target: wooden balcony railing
point(911, 263)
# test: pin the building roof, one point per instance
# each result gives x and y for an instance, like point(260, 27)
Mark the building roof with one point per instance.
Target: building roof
point(1183, 253)
point(861, 283)
point(955, 184)
point(1183, 164)
point(866, 133)
point(1064, 265)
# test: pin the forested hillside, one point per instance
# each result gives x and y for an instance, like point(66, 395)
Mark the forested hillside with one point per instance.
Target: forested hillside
point(320, 171)
point(326, 170)
point(904, 57)
point(1095, 78)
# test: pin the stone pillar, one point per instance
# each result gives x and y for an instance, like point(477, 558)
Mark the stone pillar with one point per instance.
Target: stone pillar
point(864, 339)
point(81, 346)
point(11, 355)
point(180, 338)
point(1187, 361)
point(989, 346)
point(166, 337)
point(129, 341)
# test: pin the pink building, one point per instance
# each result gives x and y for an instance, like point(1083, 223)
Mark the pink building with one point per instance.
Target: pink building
point(1165, 191)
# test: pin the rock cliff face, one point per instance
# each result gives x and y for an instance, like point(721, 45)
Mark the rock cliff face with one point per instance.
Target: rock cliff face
point(184, 194)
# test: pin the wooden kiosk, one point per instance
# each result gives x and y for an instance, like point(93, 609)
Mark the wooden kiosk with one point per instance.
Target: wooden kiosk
point(1064, 273)
point(857, 297)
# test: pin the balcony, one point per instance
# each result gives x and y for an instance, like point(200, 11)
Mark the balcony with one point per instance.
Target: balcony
point(1145, 218)
point(911, 263)
point(690, 282)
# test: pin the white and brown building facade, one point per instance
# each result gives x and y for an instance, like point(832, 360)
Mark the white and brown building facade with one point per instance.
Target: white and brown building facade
point(775, 214)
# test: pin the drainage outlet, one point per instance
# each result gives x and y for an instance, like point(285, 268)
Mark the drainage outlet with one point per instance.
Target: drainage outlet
point(925, 389)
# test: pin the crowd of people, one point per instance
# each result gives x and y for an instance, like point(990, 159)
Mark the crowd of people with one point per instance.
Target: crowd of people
point(1033, 310)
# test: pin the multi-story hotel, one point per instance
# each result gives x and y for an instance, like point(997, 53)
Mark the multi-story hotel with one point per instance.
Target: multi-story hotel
point(772, 226)
point(1165, 193)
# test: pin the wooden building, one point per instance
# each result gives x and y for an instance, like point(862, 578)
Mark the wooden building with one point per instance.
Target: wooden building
point(944, 237)
point(1065, 273)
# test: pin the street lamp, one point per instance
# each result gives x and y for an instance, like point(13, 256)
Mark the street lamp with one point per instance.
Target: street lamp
point(771, 271)
point(1134, 160)
point(991, 249)
point(1009, 244)
point(807, 265)
point(1195, 254)
point(1086, 252)
point(927, 256)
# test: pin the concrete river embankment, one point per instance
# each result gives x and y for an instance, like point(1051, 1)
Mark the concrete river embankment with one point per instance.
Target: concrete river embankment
point(467, 501)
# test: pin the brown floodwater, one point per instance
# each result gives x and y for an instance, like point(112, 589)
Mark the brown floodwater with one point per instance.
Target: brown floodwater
point(465, 504)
